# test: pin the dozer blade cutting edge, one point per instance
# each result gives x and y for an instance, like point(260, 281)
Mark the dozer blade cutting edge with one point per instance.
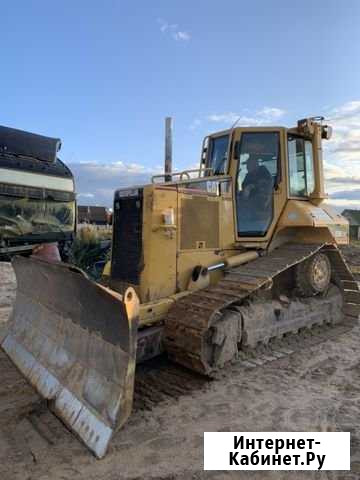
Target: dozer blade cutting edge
point(75, 341)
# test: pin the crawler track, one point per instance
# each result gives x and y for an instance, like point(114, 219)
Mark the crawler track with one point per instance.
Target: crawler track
point(162, 380)
point(190, 322)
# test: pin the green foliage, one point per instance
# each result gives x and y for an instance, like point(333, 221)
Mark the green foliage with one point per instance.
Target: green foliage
point(89, 253)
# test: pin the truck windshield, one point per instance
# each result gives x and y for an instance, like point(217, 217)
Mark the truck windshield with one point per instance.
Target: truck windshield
point(25, 216)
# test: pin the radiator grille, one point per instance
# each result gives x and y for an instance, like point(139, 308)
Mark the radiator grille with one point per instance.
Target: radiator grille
point(127, 257)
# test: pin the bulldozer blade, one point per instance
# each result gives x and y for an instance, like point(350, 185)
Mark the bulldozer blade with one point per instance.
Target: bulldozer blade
point(75, 341)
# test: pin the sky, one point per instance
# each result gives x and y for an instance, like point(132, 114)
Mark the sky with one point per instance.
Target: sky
point(102, 76)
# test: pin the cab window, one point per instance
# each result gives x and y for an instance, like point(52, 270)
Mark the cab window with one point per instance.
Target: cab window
point(218, 155)
point(301, 166)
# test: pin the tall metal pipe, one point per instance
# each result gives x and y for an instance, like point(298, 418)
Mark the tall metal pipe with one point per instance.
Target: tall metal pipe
point(168, 148)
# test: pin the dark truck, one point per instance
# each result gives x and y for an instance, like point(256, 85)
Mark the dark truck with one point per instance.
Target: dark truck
point(37, 194)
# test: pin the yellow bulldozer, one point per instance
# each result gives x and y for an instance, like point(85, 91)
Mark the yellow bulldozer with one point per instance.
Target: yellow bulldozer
point(205, 263)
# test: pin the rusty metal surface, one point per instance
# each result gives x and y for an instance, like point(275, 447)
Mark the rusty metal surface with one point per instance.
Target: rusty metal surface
point(193, 318)
point(149, 343)
point(73, 341)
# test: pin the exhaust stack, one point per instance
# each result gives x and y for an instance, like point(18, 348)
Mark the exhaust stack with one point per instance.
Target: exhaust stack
point(168, 149)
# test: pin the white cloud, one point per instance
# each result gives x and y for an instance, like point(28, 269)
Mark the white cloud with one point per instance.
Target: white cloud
point(173, 30)
point(341, 204)
point(228, 117)
point(271, 113)
point(184, 36)
point(86, 195)
point(97, 182)
point(263, 116)
point(342, 155)
point(164, 25)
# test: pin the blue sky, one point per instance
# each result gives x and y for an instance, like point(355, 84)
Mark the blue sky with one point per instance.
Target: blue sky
point(103, 75)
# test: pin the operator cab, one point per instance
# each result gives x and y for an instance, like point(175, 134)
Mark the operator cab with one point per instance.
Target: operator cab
point(268, 165)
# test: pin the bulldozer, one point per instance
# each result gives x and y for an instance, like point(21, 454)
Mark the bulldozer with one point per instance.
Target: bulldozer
point(204, 264)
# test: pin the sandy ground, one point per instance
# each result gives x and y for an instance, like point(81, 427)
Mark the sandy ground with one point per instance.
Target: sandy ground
point(316, 389)
point(351, 253)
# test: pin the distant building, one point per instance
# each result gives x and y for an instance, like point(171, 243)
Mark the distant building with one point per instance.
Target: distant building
point(93, 215)
point(353, 217)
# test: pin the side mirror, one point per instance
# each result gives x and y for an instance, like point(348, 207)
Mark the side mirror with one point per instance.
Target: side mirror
point(326, 132)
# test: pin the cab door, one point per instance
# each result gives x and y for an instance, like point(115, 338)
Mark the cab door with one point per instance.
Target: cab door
point(259, 194)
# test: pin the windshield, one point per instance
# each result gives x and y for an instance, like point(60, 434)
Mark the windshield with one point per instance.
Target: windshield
point(25, 216)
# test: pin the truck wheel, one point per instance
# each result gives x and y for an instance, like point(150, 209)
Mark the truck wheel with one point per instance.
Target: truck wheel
point(313, 275)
